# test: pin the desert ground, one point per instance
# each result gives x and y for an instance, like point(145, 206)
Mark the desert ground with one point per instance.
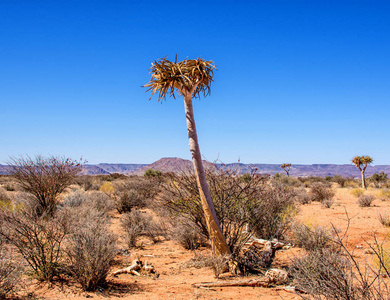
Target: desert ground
point(177, 269)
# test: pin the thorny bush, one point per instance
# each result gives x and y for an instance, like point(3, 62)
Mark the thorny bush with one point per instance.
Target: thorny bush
point(37, 239)
point(244, 207)
point(91, 247)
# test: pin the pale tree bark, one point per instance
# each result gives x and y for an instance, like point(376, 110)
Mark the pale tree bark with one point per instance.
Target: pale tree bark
point(217, 239)
point(364, 186)
point(362, 171)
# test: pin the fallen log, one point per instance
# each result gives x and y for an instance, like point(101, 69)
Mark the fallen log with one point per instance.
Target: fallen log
point(136, 268)
point(261, 282)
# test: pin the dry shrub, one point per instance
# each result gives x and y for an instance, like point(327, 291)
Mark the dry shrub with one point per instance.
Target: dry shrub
point(357, 192)
point(10, 272)
point(127, 200)
point(327, 203)
point(309, 180)
point(37, 239)
point(384, 195)
point(218, 264)
point(340, 180)
point(137, 224)
point(45, 178)
point(243, 207)
point(93, 199)
point(199, 261)
point(324, 273)
point(365, 200)
point(3, 195)
point(312, 238)
point(90, 248)
point(135, 192)
point(384, 218)
point(280, 179)
point(321, 191)
point(301, 196)
point(107, 188)
point(334, 272)
point(188, 234)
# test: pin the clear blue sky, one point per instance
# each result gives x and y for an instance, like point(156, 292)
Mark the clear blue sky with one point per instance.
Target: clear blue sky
point(298, 81)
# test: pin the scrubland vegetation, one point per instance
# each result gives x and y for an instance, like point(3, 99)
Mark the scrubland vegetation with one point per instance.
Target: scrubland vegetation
point(56, 227)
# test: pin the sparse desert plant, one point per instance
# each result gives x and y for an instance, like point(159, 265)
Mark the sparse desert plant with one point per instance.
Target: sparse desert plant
point(384, 195)
point(384, 218)
point(127, 200)
point(3, 195)
point(188, 234)
point(365, 200)
point(279, 179)
point(90, 249)
point(321, 191)
point(92, 199)
point(135, 192)
point(37, 239)
point(312, 238)
point(378, 179)
point(152, 173)
point(324, 273)
point(336, 273)
point(352, 183)
point(137, 224)
point(107, 187)
point(357, 192)
point(244, 208)
point(327, 202)
point(301, 196)
point(10, 272)
point(45, 178)
point(340, 180)
point(219, 264)
point(309, 180)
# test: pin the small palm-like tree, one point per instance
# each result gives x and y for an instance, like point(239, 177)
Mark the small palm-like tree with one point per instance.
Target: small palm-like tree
point(286, 168)
point(361, 162)
point(190, 78)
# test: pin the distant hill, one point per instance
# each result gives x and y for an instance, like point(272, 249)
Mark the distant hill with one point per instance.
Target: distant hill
point(321, 170)
point(174, 164)
point(169, 164)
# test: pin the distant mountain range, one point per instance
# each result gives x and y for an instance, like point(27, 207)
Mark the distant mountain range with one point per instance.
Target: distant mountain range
point(174, 164)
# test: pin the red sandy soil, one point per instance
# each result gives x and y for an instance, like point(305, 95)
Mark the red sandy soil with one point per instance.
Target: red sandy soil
point(175, 278)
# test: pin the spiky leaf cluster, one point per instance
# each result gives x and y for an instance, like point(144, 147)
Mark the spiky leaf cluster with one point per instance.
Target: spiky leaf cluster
point(362, 160)
point(283, 166)
point(190, 76)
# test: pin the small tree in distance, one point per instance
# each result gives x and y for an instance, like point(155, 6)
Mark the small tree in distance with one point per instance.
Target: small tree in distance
point(361, 162)
point(286, 168)
point(44, 178)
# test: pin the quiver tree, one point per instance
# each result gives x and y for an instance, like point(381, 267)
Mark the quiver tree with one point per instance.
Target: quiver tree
point(44, 178)
point(190, 78)
point(286, 168)
point(361, 162)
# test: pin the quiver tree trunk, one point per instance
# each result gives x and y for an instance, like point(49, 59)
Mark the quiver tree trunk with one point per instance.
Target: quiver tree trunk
point(217, 239)
point(364, 186)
